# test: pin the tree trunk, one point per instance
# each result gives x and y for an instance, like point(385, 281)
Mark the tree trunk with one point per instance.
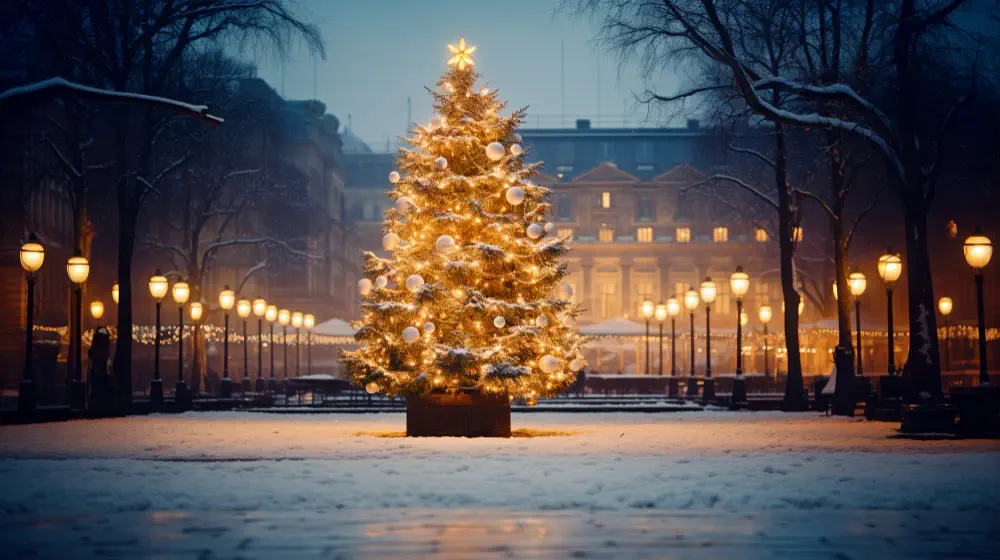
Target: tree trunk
point(126, 246)
point(794, 398)
point(843, 397)
point(923, 361)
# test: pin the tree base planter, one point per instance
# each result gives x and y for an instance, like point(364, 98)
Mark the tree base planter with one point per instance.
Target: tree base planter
point(470, 414)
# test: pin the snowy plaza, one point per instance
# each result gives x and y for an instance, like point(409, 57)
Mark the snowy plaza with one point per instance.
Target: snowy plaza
point(689, 484)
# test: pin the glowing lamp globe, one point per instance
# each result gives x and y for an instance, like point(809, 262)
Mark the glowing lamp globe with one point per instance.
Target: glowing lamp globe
point(708, 290)
point(945, 306)
point(765, 314)
point(739, 282)
point(297, 319)
point(158, 286)
point(181, 292)
point(196, 309)
point(890, 266)
point(78, 268)
point(32, 254)
point(243, 308)
point(857, 283)
point(114, 293)
point(691, 300)
point(97, 309)
point(284, 317)
point(673, 307)
point(836, 296)
point(259, 307)
point(661, 312)
point(271, 313)
point(648, 308)
point(978, 250)
point(802, 304)
point(227, 298)
point(309, 320)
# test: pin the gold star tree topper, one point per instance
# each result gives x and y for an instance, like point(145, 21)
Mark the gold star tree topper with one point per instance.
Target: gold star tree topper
point(461, 53)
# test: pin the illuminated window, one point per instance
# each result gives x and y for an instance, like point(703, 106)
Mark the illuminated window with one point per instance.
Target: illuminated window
point(606, 235)
point(565, 232)
point(797, 234)
point(605, 200)
point(644, 235)
point(683, 235)
point(608, 300)
point(720, 234)
point(760, 235)
point(721, 304)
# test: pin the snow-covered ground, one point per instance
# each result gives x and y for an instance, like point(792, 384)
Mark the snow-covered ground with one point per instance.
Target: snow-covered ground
point(706, 463)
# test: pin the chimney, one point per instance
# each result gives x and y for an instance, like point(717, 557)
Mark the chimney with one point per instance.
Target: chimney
point(583, 124)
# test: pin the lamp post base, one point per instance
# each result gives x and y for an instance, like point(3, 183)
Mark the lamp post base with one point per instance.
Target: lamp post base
point(226, 388)
point(259, 386)
point(26, 397)
point(708, 392)
point(181, 397)
point(245, 385)
point(673, 388)
point(272, 384)
point(78, 396)
point(156, 395)
point(692, 390)
point(739, 398)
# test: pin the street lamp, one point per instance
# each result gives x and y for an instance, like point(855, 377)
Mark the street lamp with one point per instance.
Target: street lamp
point(708, 293)
point(78, 268)
point(661, 316)
point(32, 256)
point(196, 309)
point(181, 292)
point(227, 299)
point(297, 324)
point(945, 306)
point(648, 308)
point(284, 317)
point(97, 309)
point(243, 309)
point(673, 309)
point(114, 293)
point(271, 315)
point(259, 309)
point(857, 283)
point(158, 286)
point(765, 318)
point(890, 266)
point(691, 303)
point(309, 321)
point(739, 282)
point(978, 251)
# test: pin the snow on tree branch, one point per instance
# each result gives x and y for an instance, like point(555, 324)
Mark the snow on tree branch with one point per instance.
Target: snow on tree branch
point(738, 182)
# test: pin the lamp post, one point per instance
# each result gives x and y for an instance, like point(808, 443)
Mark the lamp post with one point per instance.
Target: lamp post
point(297, 324)
point(243, 309)
point(661, 316)
point(227, 299)
point(271, 314)
point(196, 308)
point(284, 317)
point(309, 321)
point(32, 256)
point(673, 310)
point(857, 282)
point(739, 282)
point(648, 308)
point(978, 251)
point(890, 266)
point(181, 292)
point(945, 306)
point(708, 293)
point(765, 318)
point(259, 309)
point(77, 268)
point(691, 303)
point(158, 285)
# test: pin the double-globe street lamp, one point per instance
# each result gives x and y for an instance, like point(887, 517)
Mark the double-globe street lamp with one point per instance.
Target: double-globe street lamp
point(673, 310)
point(648, 309)
point(945, 306)
point(158, 286)
point(739, 283)
point(708, 294)
point(32, 256)
point(691, 303)
point(978, 252)
point(259, 309)
point(227, 299)
point(271, 315)
point(765, 315)
point(857, 283)
point(243, 309)
point(890, 267)
point(77, 268)
point(181, 293)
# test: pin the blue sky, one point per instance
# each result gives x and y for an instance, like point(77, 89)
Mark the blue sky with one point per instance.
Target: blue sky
point(381, 51)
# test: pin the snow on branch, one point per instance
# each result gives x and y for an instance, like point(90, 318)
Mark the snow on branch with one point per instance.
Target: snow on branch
point(738, 182)
point(836, 92)
point(249, 273)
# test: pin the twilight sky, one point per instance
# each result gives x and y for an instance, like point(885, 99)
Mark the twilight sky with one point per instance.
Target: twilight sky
point(381, 51)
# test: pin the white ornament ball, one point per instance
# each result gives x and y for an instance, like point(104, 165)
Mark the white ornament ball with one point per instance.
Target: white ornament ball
point(515, 195)
point(364, 286)
point(576, 365)
point(410, 335)
point(372, 388)
point(499, 322)
point(494, 151)
point(390, 241)
point(437, 122)
point(381, 282)
point(441, 162)
point(518, 139)
point(484, 91)
point(403, 204)
point(534, 231)
point(542, 321)
point(548, 363)
point(414, 282)
point(394, 177)
point(516, 149)
point(429, 327)
point(445, 243)
point(550, 228)
point(565, 291)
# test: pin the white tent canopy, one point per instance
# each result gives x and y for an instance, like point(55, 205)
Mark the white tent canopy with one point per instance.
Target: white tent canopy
point(334, 327)
point(614, 327)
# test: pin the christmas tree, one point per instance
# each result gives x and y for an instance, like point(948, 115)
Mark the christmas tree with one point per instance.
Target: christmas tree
point(472, 298)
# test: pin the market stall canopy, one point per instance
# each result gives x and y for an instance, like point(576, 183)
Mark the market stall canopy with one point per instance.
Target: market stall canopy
point(614, 327)
point(334, 327)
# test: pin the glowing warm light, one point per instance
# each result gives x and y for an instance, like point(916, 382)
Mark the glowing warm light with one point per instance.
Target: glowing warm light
point(673, 307)
point(648, 308)
point(97, 309)
point(978, 250)
point(857, 282)
point(890, 266)
point(196, 309)
point(78, 268)
point(181, 292)
point(945, 306)
point(836, 296)
point(765, 314)
point(708, 290)
point(114, 293)
point(739, 282)
point(744, 319)
point(227, 298)
point(158, 286)
point(32, 254)
point(309, 321)
point(691, 300)
point(661, 312)
point(297, 319)
point(259, 307)
point(271, 313)
point(284, 317)
point(243, 308)
point(461, 53)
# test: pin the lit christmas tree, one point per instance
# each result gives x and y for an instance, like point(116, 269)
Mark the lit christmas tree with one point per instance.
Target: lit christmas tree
point(472, 298)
